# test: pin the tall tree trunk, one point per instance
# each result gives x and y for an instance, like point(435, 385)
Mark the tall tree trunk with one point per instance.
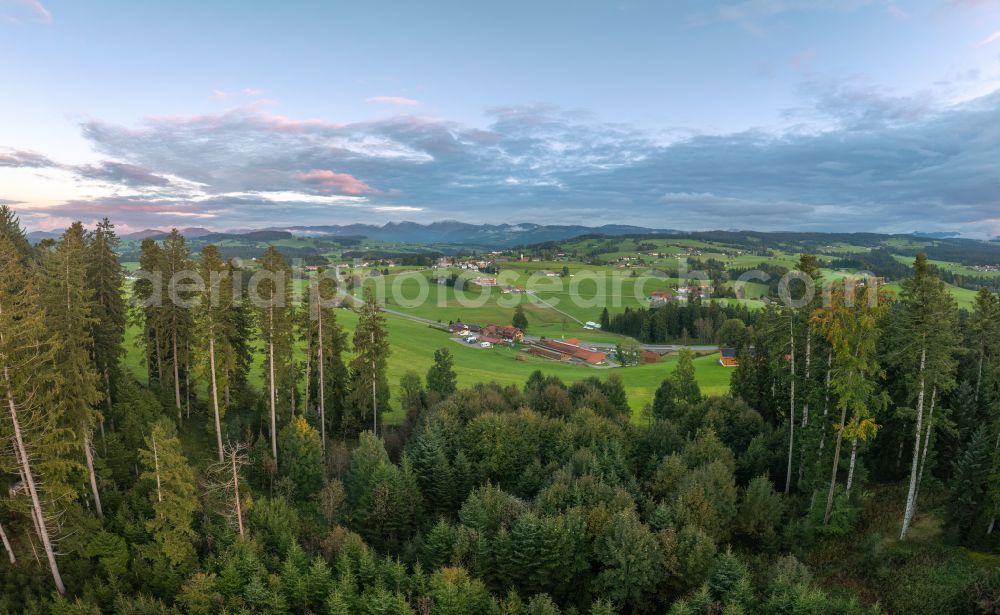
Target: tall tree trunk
point(88, 454)
point(850, 468)
point(911, 499)
point(107, 388)
point(236, 492)
point(993, 519)
point(374, 397)
point(979, 371)
point(29, 478)
point(826, 397)
point(156, 469)
point(215, 393)
point(177, 376)
point(187, 380)
point(159, 354)
point(836, 466)
point(271, 385)
point(805, 406)
point(926, 445)
point(6, 545)
point(321, 390)
point(791, 410)
point(305, 393)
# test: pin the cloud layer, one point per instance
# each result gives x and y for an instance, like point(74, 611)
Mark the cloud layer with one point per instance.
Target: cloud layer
point(855, 161)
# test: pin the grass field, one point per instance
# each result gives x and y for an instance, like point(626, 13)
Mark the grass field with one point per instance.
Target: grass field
point(413, 345)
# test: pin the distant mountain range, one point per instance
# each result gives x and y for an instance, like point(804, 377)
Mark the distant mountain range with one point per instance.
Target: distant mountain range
point(446, 232)
point(461, 233)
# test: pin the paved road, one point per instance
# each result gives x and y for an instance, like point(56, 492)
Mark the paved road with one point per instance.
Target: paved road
point(660, 348)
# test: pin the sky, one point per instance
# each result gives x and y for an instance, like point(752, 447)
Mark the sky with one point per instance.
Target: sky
point(821, 115)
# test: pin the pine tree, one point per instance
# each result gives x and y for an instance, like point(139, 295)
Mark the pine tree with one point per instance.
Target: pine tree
point(852, 332)
point(177, 323)
point(106, 279)
point(325, 343)
point(149, 295)
point(923, 347)
point(214, 331)
point(685, 383)
point(441, 377)
point(173, 499)
point(26, 375)
point(369, 391)
point(68, 302)
point(985, 329)
point(520, 319)
point(10, 228)
point(274, 313)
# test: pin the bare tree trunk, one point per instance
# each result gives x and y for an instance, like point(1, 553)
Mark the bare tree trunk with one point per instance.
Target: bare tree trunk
point(88, 454)
point(911, 500)
point(979, 371)
point(187, 380)
point(321, 389)
point(156, 469)
point(927, 438)
point(836, 466)
point(374, 397)
point(215, 393)
point(159, 354)
point(305, 393)
point(826, 396)
point(791, 410)
point(274, 395)
point(107, 387)
point(850, 468)
point(6, 545)
point(177, 377)
point(805, 406)
point(36, 503)
point(993, 519)
point(236, 493)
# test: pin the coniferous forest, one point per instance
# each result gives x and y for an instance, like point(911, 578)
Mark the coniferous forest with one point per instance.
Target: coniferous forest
point(854, 466)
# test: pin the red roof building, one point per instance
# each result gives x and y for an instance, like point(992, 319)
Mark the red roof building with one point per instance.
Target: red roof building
point(574, 350)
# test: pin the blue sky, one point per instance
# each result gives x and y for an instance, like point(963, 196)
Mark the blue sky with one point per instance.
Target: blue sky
point(867, 115)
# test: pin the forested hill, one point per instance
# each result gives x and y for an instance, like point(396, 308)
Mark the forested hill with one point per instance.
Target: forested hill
point(226, 453)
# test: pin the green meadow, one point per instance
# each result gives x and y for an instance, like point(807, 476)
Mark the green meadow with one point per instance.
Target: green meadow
point(413, 345)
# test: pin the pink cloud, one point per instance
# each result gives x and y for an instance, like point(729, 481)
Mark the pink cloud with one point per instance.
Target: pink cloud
point(245, 92)
point(992, 38)
point(328, 181)
point(16, 11)
point(393, 100)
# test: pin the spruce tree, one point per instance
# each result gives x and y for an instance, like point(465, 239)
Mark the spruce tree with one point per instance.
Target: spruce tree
point(106, 279)
point(172, 494)
point(177, 322)
point(520, 319)
point(68, 303)
point(274, 315)
point(149, 293)
point(441, 377)
point(924, 343)
point(27, 373)
point(10, 228)
point(213, 326)
point(369, 391)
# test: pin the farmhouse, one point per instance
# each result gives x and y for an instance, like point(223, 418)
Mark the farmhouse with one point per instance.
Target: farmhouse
point(571, 348)
point(486, 281)
point(649, 356)
point(506, 333)
point(727, 357)
point(659, 297)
